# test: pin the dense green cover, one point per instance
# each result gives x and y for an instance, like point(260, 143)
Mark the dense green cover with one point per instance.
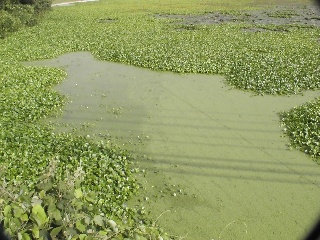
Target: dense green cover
point(301, 124)
point(98, 177)
point(71, 179)
point(16, 14)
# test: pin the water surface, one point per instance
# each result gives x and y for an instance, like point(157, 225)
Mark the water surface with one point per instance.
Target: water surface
point(215, 157)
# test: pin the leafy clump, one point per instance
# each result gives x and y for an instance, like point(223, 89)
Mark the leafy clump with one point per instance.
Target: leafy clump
point(59, 184)
point(63, 211)
point(16, 14)
point(270, 62)
point(301, 124)
point(8, 23)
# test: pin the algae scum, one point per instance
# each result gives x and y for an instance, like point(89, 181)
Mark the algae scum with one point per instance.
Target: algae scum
point(213, 156)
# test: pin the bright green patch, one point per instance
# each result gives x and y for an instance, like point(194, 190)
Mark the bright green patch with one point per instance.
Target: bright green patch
point(301, 124)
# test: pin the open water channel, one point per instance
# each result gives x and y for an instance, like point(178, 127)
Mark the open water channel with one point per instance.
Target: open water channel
point(214, 156)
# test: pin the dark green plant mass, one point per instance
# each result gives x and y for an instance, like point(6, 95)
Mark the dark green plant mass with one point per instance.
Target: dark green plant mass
point(16, 14)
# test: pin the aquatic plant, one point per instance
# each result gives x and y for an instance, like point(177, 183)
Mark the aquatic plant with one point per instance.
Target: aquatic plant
point(283, 14)
point(270, 62)
point(61, 185)
point(278, 61)
point(301, 124)
point(16, 14)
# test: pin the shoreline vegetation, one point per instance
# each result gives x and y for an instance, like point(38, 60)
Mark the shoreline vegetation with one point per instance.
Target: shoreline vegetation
point(71, 2)
point(65, 185)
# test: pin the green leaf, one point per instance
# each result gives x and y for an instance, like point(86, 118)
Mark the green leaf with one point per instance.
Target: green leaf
point(90, 197)
point(78, 193)
point(54, 232)
point(87, 220)
point(80, 226)
point(7, 210)
point(38, 215)
point(71, 232)
point(53, 212)
point(75, 237)
point(35, 232)
point(56, 214)
point(77, 204)
point(42, 194)
point(82, 236)
point(18, 211)
point(98, 220)
point(24, 218)
point(77, 183)
point(45, 186)
point(36, 201)
point(25, 236)
point(16, 222)
point(103, 233)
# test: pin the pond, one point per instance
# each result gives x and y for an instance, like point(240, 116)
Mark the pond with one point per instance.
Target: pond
point(215, 157)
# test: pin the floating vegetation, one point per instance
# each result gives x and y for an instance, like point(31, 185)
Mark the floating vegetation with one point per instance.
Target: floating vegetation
point(69, 185)
point(301, 124)
point(270, 62)
point(278, 61)
point(106, 20)
point(283, 14)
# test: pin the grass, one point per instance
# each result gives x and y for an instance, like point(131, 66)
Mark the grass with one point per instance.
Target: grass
point(268, 62)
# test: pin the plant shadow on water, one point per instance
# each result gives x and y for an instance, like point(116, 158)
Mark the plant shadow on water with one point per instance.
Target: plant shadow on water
point(213, 155)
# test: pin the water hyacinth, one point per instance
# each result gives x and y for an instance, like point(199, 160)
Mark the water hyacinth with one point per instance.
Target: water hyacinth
point(28, 147)
point(269, 62)
point(301, 124)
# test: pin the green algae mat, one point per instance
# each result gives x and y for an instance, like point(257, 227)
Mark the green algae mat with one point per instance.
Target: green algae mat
point(216, 162)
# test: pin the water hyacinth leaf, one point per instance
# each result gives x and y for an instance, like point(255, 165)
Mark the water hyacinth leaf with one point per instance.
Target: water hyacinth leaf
point(103, 233)
point(98, 220)
point(87, 220)
point(71, 232)
point(16, 222)
point(24, 218)
point(54, 232)
point(78, 193)
point(24, 236)
point(18, 211)
point(83, 236)
point(77, 204)
point(55, 214)
point(42, 194)
point(90, 198)
point(38, 215)
point(36, 201)
point(35, 232)
point(7, 210)
point(112, 223)
point(45, 186)
point(80, 226)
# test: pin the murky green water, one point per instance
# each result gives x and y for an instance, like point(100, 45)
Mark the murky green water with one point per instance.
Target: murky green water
point(214, 157)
